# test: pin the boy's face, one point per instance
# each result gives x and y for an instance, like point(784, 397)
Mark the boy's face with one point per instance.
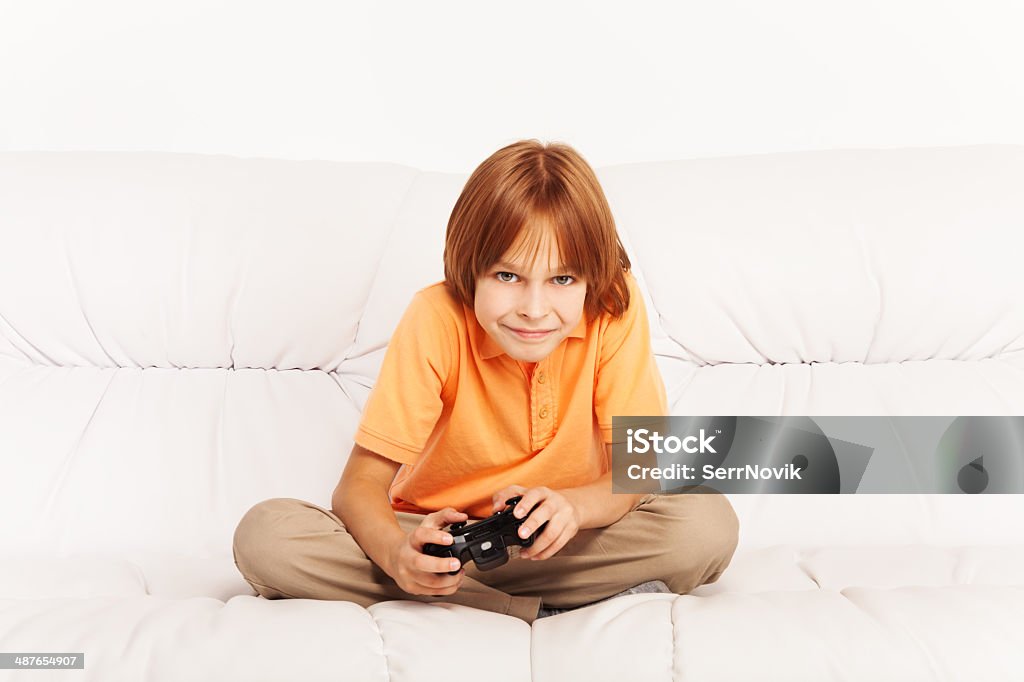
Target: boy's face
point(515, 297)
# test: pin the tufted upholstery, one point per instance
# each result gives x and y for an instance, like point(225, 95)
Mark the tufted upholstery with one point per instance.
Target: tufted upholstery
point(182, 336)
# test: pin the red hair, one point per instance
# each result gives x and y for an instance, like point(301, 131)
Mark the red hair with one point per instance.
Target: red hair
point(524, 186)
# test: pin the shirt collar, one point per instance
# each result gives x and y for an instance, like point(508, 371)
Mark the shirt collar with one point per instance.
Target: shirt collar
point(489, 348)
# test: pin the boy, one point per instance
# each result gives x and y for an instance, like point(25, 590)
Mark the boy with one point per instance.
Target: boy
point(502, 381)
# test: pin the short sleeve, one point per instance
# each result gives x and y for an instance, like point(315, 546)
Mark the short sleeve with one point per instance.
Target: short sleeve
point(628, 381)
point(405, 404)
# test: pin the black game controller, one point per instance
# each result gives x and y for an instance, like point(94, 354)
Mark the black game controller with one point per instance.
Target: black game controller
point(485, 542)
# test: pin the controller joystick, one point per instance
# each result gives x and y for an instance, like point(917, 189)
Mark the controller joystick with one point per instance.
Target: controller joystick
point(485, 542)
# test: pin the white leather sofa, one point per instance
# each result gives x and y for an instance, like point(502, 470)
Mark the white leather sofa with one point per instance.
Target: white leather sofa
point(182, 336)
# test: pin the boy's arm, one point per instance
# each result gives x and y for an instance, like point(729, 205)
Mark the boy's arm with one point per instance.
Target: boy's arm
point(362, 503)
point(595, 503)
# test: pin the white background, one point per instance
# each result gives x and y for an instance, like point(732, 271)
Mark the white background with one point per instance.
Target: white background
point(441, 85)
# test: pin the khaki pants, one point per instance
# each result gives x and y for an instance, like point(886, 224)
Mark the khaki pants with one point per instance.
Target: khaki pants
point(288, 548)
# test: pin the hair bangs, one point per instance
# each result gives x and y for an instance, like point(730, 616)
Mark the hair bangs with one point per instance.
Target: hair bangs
point(521, 198)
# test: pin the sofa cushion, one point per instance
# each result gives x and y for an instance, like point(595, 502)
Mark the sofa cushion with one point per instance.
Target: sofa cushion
point(832, 282)
point(183, 260)
point(247, 638)
point(79, 577)
point(912, 633)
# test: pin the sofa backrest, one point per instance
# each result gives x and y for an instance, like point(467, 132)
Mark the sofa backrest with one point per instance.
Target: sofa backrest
point(182, 336)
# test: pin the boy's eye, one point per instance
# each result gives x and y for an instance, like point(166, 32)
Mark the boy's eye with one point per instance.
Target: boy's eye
point(569, 279)
point(506, 277)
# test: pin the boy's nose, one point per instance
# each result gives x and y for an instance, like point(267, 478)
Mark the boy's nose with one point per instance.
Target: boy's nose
point(533, 304)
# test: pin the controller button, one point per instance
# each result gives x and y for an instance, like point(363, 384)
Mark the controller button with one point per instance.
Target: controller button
point(487, 545)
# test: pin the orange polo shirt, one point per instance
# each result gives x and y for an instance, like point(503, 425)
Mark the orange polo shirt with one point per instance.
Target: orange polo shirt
point(467, 420)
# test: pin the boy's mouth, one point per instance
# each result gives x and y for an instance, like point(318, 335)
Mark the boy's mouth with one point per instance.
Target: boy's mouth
point(530, 333)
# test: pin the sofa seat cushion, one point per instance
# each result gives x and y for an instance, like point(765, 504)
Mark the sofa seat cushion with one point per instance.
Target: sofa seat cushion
point(79, 577)
point(251, 638)
point(857, 633)
point(783, 568)
point(137, 573)
point(904, 633)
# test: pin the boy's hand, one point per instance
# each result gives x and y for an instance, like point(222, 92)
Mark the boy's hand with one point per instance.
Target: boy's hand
point(419, 573)
point(547, 505)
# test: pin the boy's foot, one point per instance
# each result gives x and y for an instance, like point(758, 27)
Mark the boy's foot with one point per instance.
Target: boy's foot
point(651, 586)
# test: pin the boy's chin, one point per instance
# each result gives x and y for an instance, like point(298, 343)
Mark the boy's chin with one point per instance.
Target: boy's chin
point(535, 356)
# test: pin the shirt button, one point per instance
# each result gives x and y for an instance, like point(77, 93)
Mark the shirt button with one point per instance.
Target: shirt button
point(540, 378)
point(544, 412)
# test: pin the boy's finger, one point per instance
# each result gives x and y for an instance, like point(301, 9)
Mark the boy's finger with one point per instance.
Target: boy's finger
point(554, 546)
point(443, 517)
point(530, 499)
point(440, 537)
point(437, 565)
point(498, 503)
point(506, 494)
point(498, 499)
